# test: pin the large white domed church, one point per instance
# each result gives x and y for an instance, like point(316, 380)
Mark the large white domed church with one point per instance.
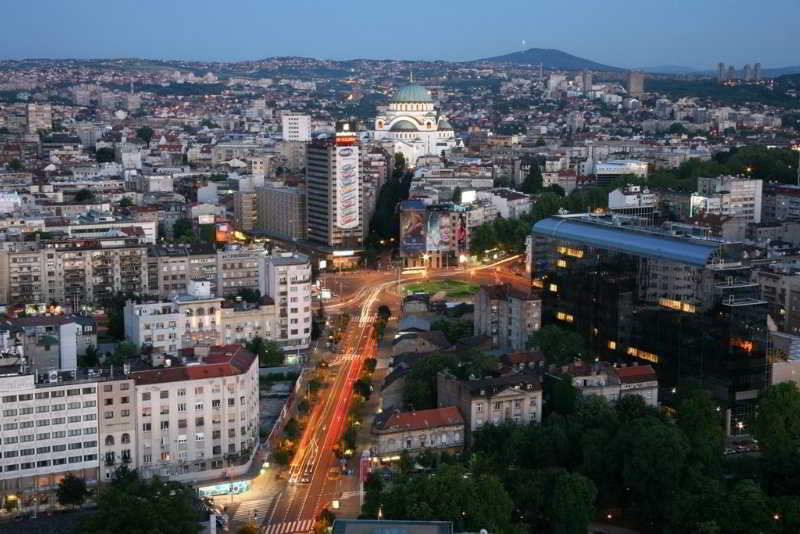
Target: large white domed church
point(414, 126)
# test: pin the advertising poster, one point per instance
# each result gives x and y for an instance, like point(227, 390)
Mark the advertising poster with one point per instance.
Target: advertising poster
point(412, 230)
point(347, 184)
point(461, 233)
point(437, 232)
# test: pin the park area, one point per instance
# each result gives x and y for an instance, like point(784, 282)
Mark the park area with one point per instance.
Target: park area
point(452, 288)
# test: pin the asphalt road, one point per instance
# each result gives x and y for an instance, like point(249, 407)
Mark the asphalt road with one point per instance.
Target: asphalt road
point(291, 506)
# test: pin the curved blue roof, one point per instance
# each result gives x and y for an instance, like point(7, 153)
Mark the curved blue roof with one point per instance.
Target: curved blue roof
point(403, 125)
point(627, 240)
point(412, 93)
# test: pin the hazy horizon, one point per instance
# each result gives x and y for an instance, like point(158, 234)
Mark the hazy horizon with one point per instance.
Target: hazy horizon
point(696, 36)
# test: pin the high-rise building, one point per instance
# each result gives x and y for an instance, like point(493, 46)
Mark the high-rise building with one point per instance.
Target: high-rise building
point(720, 72)
point(685, 304)
point(747, 73)
point(281, 211)
point(729, 196)
point(286, 278)
point(508, 315)
point(586, 79)
point(635, 83)
point(296, 127)
point(757, 72)
point(333, 191)
point(731, 72)
point(39, 117)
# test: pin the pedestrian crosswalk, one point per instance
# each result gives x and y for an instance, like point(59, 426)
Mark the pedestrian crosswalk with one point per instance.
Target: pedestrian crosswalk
point(290, 527)
point(251, 511)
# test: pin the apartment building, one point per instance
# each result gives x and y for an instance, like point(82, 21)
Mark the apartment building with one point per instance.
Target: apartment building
point(237, 269)
point(169, 268)
point(39, 117)
point(49, 428)
point(507, 314)
point(74, 273)
point(196, 318)
point(116, 407)
point(286, 278)
point(200, 420)
point(516, 397)
point(728, 195)
point(281, 211)
point(296, 127)
point(53, 341)
point(614, 383)
point(245, 210)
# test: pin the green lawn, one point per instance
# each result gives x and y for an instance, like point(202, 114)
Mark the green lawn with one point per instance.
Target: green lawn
point(453, 288)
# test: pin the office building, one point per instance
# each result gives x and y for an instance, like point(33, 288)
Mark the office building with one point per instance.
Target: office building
point(684, 304)
point(607, 171)
point(286, 279)
point(237, 269)
point(333, 192)
point(747, 73)
point(170, 267)
point(632, 200)
point(39, 117)
point(281, 211)
point(586, 81)
point(757, 72)
point(199, 420)
point(635, 84)
point(721, 72)
point(296, 127)
point(508, 315)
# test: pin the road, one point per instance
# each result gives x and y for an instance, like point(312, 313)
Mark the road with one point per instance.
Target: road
point(290, 507)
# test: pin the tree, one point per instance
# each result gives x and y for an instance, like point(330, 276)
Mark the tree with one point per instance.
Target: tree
point(701, 422)
point(104, 155)
point(126, 202)
point(572, 504)
point(90, 358)
point(249, 295)
point(182, 229)
point(384, 312)
point(547, 204)
point(676, 128)
point(558, 345)
point(125, 351)
point(748, 510)
point(15, 165)
point(482, 238)
point(131, 505)
point(145, 133)
point(534, 180)
point(314, 385)
point(540, 141)
point(399, 164)
point(85, 195)
point(363, 387)
point(777, 421)
point(71, 491)
point(269, 353)
point(457, 195)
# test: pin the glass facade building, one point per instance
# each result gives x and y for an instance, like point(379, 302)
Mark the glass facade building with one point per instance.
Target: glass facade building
point(684, 303)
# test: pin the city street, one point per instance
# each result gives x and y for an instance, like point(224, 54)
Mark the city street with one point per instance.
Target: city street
point(291, 506)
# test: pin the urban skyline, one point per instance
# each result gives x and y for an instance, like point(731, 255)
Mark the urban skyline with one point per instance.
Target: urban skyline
point(375, 32)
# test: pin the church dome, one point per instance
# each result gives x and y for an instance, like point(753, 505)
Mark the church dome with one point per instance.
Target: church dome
point(404, 126)
point(412, 93)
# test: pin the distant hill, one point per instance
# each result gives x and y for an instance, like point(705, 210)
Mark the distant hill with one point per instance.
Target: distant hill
point(551, 59)
point(668, 69)
point(781, 71)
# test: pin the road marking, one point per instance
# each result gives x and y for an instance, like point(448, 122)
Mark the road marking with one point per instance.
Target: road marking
point(245, 510)
point(290, 527)
point(275, 507)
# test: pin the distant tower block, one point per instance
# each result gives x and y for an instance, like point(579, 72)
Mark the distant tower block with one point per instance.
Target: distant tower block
point(635, 83)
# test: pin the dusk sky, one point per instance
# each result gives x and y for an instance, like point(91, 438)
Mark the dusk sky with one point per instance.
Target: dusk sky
point(616, 32)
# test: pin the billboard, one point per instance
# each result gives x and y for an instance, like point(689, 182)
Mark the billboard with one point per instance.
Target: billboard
point(461, 233)
point(437, 231)
point(412, 230)
point(347, 187)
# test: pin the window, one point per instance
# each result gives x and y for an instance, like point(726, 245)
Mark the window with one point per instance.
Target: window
point(181, 392)
point(146, 396)
point(108, 415)
point(146, 427)
point(164, 425)
point(45, 435)
point(199, 421)
point(57, 407)
point(165, 394)
point(125, 413)
point(74, 405)
point(109, 402)
point(199, 436)
point(43, 450)
point(124, 400)
point(107, 388)
point(89, 404)
point(90, 417)
point(89, 391)
point(42, 409)
point(181, 406)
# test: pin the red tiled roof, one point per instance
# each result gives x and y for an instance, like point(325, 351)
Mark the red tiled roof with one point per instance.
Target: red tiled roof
point(222, 360)
point(636, 373)
point(424, 419)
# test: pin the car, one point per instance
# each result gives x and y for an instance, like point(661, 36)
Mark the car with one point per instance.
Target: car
point(334, 473)
point(306, 478)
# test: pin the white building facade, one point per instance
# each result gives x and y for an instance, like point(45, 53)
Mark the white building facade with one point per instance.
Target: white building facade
point(286, 278)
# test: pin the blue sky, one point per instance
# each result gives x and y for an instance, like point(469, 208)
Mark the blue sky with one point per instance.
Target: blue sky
point(624, 33)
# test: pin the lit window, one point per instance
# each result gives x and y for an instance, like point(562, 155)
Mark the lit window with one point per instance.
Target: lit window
point(554, 287)
point(612, 345)
point(561, 263)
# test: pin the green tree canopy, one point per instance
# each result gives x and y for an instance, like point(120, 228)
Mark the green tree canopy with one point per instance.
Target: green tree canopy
point(132, 505)
point(558, 345)
point(85, 195)
point(145, 133)
point(71, 491)
point(104, 155)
